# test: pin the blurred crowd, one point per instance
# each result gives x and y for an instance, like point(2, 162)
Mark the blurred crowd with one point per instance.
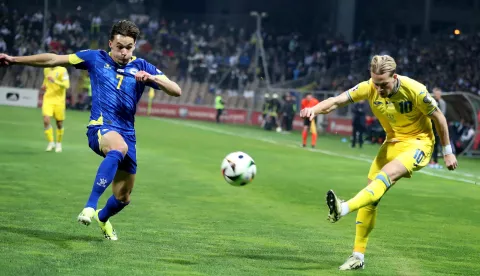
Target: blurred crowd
point(225, 53)
point(444, 60)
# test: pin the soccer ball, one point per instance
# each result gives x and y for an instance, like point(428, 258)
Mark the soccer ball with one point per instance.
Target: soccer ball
point(238, 168)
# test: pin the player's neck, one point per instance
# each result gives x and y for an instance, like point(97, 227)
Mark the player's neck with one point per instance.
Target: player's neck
point(396, 86)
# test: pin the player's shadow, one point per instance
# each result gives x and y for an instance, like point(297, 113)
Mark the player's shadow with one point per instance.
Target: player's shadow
point(176, 261)
point(306, 263)
point(58, 238)
point(15, 152)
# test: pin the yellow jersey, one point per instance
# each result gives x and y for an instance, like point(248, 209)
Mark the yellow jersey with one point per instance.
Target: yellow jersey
point(404, 114)
point(56, 90)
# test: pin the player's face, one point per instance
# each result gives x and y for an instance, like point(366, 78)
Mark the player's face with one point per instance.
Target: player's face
point(122, 48)
point(309, 97)
point(384, 83)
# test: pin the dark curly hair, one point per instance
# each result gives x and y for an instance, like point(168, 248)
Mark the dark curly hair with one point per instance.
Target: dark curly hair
point(125, 28)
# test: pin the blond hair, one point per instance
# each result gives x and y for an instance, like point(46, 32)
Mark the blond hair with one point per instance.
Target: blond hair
point(383, 64)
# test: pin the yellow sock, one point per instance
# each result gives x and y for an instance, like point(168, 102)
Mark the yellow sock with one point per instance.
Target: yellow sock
point(60, 135)
point(366, 218)
point(49, 134)
point(149, 107)
point(372, 193)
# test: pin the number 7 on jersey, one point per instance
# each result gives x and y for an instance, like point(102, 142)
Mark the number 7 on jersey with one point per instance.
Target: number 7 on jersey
point(120, 77)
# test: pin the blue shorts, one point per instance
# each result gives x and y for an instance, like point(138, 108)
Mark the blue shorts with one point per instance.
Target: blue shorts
point(129, 163)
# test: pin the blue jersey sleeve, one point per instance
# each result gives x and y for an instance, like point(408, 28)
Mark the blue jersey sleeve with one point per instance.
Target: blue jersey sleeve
point(84, 59)
point(152, 70)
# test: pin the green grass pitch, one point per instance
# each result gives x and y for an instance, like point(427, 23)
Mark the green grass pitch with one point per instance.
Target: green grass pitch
point(184, 219)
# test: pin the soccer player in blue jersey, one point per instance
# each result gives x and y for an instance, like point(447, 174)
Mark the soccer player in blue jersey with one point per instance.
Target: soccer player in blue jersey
point(118, 80)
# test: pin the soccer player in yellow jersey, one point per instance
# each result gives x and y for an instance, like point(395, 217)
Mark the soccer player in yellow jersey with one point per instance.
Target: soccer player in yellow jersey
point(404, 108)
point(151, 96)
point(55, 84)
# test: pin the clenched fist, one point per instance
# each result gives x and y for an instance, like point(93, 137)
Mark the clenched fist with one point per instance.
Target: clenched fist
point(143, 76)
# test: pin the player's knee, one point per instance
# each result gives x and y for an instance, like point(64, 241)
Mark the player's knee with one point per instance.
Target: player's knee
point(46, 121)
point(121, 147)
point(59, 124)
point(395, 170)
point(124, 196)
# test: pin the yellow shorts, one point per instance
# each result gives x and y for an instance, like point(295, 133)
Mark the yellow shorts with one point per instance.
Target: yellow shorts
point(54, 110)
point(413, 154)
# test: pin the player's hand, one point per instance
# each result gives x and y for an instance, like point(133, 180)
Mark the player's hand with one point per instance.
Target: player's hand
point(5, 60)
point(43, 88)
point(50, 79)
point(307, 113)
point(143, 76)
point(450, 161)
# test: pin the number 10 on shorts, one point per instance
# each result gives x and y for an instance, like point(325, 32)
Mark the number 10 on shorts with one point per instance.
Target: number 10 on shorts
point(419, 155)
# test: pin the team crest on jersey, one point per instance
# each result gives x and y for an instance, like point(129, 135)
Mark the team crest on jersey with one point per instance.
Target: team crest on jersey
point(133, 71)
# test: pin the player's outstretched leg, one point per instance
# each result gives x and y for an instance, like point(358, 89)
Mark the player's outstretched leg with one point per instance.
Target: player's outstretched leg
point(122, 187)
point(372, 193)
point(105, 174)
point(112, 144)
point(366, 202)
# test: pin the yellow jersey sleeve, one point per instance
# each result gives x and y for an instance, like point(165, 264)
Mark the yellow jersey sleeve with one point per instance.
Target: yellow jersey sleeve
point(425, 103)
point(359, 92)
point(64, 78)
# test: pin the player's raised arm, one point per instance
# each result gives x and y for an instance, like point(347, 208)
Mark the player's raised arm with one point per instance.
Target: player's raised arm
point(326, 106)
point(355, 94)
point(40, 60)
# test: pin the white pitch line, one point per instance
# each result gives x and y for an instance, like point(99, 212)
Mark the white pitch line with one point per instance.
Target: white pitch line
point(326, 152)
point(271, 141)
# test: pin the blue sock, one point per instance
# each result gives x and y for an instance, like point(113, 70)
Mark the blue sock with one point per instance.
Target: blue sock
point(105, 174)
point(112, 207)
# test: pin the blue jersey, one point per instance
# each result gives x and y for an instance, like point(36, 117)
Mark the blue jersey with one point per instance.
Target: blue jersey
point(115, 92)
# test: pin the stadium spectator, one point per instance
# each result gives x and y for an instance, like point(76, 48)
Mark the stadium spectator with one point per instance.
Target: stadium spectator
point(358, 123)
point(442, 105)
point(219, 106)
point(289, 109)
